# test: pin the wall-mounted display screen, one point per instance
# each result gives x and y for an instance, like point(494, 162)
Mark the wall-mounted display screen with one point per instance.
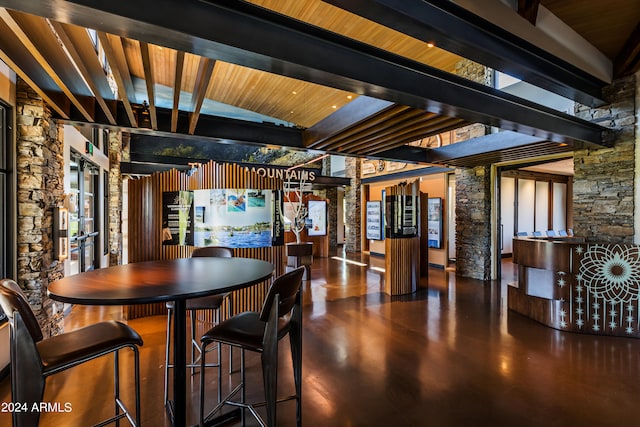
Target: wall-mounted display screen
point(317, 218)
point(236, 218)
point(434, 222)
point(374, 220)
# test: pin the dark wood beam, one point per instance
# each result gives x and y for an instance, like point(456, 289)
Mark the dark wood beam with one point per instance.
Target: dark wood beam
point(214, 128)
point(628, 60)
point(528, 9)
point(358, 110)
point(457, 30)
point(285, 46)
point(493, 142)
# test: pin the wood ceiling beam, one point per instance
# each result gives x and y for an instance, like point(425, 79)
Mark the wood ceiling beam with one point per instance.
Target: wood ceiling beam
point(115, 55)
point(364, 127)
point(177, 89)
point(484, 144)
point(77, 42)
point(455, 29)
point(37, 23)
point(214, 128)
point(286, 46)
point(53, 101)
point(449, 123)
point(147, 65)
point(357, 111)
point(408, 133)
point(528, 9)
point(403, 120)
point(203, 78)
point(628, 60)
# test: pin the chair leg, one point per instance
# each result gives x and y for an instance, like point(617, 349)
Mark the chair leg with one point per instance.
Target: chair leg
point(136, 359)
point(269, 358)
point(202, 382)
point(194, 348)
point(116, 384)
point(243, 384)
point(166, 356)
point(295, 339)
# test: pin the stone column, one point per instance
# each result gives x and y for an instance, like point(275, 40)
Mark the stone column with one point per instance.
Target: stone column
point(353, 196)
point(39, 172)
point(603, 182)
point(473, 195)
point(115, 198)
point(473, 222)
point(332, 208)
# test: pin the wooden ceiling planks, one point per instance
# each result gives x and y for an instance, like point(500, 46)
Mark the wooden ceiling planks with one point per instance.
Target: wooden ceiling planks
point(353, 26)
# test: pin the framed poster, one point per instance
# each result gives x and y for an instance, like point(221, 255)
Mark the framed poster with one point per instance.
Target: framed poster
point(374, 220)
point(317, 218)
point(434, 222)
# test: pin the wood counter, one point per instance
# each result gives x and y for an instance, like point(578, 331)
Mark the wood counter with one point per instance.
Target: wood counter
point(571, 285)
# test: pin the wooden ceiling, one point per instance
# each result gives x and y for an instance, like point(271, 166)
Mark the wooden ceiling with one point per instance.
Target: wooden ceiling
point(53, 51)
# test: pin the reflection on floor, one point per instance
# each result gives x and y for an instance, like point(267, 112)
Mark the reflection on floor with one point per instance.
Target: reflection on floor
point(449, 355)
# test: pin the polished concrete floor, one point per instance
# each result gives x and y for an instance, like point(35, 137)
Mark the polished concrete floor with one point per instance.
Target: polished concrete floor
point(450, 355)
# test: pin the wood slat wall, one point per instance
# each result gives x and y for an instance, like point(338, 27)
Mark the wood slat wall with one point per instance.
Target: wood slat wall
point(145, 226)
point(402, 271)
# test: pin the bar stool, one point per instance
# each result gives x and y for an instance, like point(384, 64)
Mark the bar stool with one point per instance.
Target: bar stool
point(281, 315)
point(34, 358)
point(213, 303)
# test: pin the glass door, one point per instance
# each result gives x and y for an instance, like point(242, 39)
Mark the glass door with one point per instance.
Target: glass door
point(83, 227)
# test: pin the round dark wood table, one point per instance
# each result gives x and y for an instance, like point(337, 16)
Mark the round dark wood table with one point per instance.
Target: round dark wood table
point(160, 281)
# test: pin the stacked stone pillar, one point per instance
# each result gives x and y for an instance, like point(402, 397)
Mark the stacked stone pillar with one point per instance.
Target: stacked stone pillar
point(115, 197)
point(353, 198)
point(39, 172)
point(603, 183)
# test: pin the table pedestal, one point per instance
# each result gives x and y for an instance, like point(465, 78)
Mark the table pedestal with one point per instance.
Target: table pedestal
point(300, 254)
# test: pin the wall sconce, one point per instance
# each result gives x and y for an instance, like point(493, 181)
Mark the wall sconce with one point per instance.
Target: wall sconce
point(144, 116)
point(60, 233)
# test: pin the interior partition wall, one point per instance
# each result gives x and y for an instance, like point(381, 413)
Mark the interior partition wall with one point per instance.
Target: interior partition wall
point(144, 221)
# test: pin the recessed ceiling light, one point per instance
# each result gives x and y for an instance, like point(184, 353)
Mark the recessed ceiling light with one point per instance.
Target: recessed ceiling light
point(294, 93)
point(430, 44)
point(334, 106)
point(349, 96)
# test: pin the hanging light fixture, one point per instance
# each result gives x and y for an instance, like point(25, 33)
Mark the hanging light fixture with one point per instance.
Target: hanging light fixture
point(144, 116)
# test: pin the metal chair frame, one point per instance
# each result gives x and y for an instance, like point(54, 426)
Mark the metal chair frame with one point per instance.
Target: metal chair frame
point(275, 309)
point(207, 251)
point(27, 344)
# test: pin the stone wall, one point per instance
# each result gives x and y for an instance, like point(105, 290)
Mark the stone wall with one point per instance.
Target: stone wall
point(603, 185)
point(39, 172)
point(332, 207)
point(473, 195)
point(480, 74)
point(115, 197)
point(473, 226)
point(353, 198)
